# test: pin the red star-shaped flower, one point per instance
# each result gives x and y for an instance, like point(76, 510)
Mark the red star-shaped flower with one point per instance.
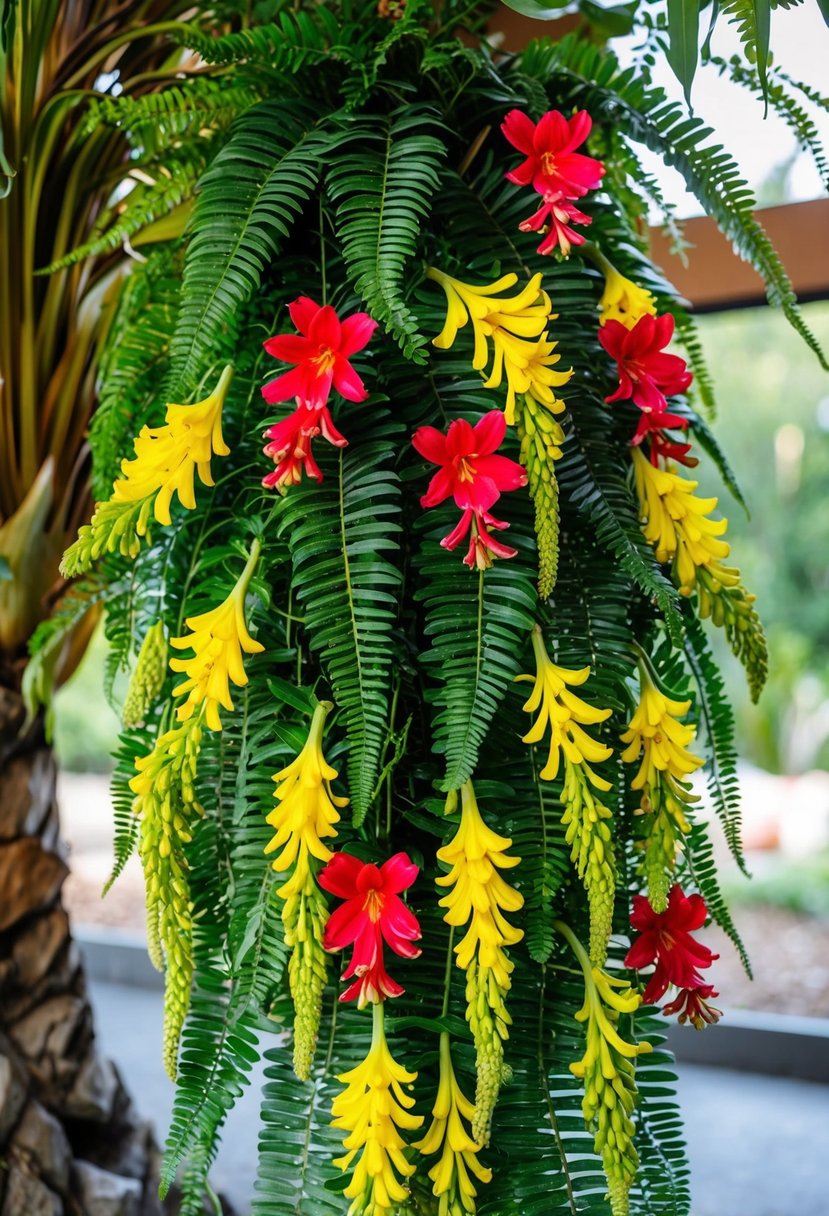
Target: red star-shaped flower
point(646, 373)
point(321, 352)
point(552, 165)
point(372, 913)
point(665, 939)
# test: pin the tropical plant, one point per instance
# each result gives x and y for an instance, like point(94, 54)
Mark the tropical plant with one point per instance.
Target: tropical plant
point(344, 691)
point(62, 188)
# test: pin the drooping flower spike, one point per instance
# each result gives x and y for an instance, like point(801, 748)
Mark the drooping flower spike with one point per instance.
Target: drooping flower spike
point(372, 912)
point(166, 461)
point(321, 352)
point(555, 219)
point(665, 938)
point(473, 475)
point(516, 328)
point(218, 639)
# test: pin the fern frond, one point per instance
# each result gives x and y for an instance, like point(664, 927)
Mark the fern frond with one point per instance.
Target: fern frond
point(379, 209)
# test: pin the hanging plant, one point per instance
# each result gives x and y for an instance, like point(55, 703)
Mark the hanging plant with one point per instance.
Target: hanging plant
point(478, 430)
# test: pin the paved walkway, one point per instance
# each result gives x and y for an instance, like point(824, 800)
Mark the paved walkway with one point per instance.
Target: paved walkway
point(758, 1144)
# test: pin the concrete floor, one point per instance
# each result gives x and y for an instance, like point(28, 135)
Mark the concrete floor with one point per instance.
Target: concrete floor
point(758, 1145)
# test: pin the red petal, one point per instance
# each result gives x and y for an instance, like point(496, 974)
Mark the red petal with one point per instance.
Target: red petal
point(489, 432)
point(505, 473)
point(344, 925)
point(524, 174)
point(325, 329)
point(399, 872)
point(340, 875)
point(440, 487)
point(519, 129)
point(551, 133)
point(356, 333)
point(460, 439)
point(580, 126)
point(657, 987)
point(302, 311)
point(643, 952)
point(347, 382)
point(454, 538)
point(290, 348)
point(285, 387)
point(643, 916)
point(430, 443)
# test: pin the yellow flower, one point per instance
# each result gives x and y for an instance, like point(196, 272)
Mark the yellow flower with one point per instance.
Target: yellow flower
point(218, 638)
point(565, 714)
point(515, 325)
point(677, 523)
point(371, 1109)
point(608, 1072)
point(448, 1136)
point(167, 457)
point(306, 809)
point(479, 894)
point(622, 300)
point(656, 734)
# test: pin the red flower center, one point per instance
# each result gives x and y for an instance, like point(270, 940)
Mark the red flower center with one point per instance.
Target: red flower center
point(370, 884)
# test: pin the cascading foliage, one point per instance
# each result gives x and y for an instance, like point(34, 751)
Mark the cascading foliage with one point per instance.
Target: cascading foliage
point(444, 450)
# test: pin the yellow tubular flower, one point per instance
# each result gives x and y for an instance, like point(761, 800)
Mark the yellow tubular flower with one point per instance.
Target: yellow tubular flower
point(479, 896)
point(165, 462)
point(622, 300)
point(372, 1109)
point(607, 1069)
point(515, 325)
point(656, 734)
point(218, 638)
point(167, 457)
point(306, 809)
point(565, 714)
point(677, 523)
point(306, 812)
point(448, 1135)
point(166, 801)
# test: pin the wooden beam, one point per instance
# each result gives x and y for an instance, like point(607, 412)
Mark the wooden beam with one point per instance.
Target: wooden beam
point(716, 278)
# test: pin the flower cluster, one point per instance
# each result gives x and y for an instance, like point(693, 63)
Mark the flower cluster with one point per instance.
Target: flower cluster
point(479, 896)
point(458, 1163)
point(474, 476)
point(147, 678)
point(657, 736)
point(516, 327)
point(607, 1069)
point(320, 353)
point(585, 816)
point(372, 912)
point(217, 638)
point(665, 938)
point(165, 463)
point(372, 1110)
point(305, 815)
point(556, 171)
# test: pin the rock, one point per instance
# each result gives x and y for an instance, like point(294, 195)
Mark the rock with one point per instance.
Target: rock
point(13, 1089)
point(104, 1194)
point(49, 1029)
point(27, 1196)
point(30, 879)
point(96, 1089)
point(41, 1137)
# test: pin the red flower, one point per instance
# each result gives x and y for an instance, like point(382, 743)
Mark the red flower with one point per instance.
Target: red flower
point(665, 938)
point(290, 445)
point(646, 374)
point(555, 218)
point(552, 165)
point(373, 912)
point(321, 352)
point(692, 1006)
point(474, 476)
